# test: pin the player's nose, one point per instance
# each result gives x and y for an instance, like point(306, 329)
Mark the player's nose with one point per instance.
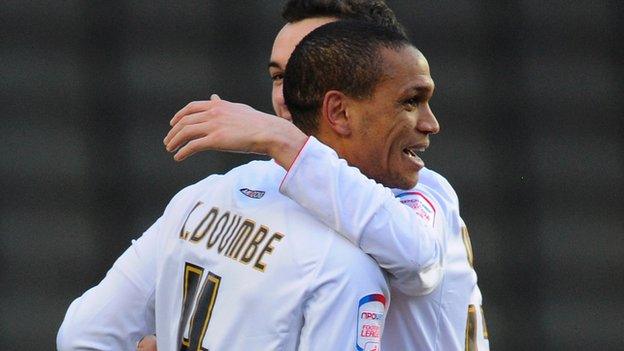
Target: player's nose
point(427, 121)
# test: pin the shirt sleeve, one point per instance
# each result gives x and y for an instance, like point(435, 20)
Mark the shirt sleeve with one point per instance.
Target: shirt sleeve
point(368, 215)
point(346, 305)
point(119, 311)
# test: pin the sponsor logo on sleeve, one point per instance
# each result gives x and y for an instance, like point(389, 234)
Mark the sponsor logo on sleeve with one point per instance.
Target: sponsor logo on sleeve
point(371, 310)
point(254, 194)
point(421, 205)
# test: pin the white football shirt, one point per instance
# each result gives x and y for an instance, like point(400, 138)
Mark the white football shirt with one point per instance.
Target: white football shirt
point(232, 264)
point(424, 246)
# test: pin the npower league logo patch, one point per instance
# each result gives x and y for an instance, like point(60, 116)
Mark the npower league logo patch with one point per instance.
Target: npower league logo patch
point(421, 205)
point(371, 309)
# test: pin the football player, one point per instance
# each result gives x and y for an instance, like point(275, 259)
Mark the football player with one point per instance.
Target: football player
point(233, 264)
point(436, 305)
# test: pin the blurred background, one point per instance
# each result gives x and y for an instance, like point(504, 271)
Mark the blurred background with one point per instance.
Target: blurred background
point(528, 93)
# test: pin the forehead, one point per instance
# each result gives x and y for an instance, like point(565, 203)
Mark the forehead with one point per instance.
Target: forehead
point(290, 35)
point(405, 69)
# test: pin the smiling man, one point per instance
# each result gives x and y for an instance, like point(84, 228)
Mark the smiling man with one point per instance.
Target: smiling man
point(378, 119)
point(436, 302)
point(233, 264)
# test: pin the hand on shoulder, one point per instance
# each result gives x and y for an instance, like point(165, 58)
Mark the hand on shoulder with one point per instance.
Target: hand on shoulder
point(221, 125)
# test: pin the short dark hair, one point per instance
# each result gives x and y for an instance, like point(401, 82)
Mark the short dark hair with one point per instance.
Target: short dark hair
point(342, 55)
point(374, 11)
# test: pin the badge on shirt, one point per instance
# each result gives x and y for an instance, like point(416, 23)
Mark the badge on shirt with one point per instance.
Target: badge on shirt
point(421, 205)
point(254, 194)
point(371, 310)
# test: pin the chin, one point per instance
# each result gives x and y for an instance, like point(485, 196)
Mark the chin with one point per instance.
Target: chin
point(408, 185)
point(404, 183)
point(409, 182)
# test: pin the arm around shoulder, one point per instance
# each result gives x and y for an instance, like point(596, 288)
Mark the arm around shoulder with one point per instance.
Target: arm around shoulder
point(368, 215)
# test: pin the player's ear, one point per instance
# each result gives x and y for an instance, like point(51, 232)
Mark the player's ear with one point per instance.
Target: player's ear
point(335, 112)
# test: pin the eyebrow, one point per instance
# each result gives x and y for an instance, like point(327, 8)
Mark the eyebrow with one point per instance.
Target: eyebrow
point(274, 64)
point(420, 88)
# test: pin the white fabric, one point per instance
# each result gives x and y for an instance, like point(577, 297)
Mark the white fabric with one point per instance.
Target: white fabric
point(368, 215)
point(421, 246)
point(308, 296)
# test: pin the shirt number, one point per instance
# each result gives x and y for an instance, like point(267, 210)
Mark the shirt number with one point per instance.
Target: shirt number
point(471, 328)
point(200, 305)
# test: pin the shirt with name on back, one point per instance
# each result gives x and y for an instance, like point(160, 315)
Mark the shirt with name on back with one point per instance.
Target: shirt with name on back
point(232, 264)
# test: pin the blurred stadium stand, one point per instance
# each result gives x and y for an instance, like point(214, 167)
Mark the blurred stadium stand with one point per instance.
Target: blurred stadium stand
point(529, 96)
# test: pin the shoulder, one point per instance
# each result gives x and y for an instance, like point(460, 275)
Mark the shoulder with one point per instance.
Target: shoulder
point(256, 171)
point(432, 195)
point(437, 184)
point(216, 185)
point(263, 171)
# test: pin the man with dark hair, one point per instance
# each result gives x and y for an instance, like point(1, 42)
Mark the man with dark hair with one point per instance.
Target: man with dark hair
point(233, 264)
point(372, 110)
point(436, 304)
point(302, 16)
point(317, 64)
point(372, 11)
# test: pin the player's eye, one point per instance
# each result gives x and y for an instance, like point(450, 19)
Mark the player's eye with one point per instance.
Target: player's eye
point(277, 77)
point(412, 102)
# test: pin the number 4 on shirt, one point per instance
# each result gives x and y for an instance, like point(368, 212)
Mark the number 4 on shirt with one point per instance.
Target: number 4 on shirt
point(201, 306)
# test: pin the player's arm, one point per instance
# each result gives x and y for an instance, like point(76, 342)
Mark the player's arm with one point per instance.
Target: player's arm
point(346, 304)
point(363, 211)
point(118, 312)
point(368, 215)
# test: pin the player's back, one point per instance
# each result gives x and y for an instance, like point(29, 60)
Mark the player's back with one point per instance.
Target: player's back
point(450, 317)
point(241, 267)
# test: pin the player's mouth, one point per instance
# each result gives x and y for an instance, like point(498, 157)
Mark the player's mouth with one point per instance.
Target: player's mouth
point(413, 151)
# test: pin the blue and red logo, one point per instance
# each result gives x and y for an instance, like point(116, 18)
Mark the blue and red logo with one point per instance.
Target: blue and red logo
point(423, 207)
point(371, 316)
